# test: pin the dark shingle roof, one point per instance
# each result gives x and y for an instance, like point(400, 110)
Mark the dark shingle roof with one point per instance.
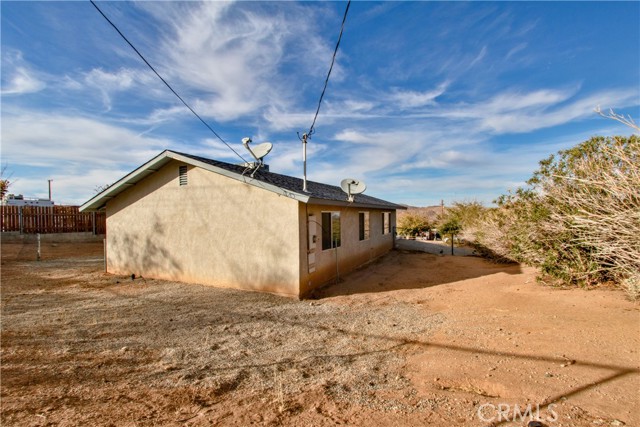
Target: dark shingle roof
point(316, 190)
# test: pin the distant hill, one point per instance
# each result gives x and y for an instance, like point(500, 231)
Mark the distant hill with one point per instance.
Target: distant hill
point(430, 212)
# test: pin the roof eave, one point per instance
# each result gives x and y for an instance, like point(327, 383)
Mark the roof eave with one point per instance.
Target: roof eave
point(99, 201)
point(354, 204)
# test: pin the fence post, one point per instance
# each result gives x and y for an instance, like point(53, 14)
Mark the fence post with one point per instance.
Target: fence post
point(20, 223)
point(94, 222)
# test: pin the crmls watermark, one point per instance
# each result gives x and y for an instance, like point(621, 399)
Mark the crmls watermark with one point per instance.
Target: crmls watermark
point(488, 412)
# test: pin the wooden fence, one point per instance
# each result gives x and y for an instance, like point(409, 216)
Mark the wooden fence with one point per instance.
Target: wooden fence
point(51, 219)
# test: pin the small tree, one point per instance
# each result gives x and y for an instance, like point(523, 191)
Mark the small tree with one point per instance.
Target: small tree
point(452, 227)
point(469, 215)
point(413, 224)
point(5, 183)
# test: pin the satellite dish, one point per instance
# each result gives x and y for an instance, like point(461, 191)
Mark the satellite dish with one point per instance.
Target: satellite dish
point(352, 186)
point(261, 150)
point(258, 153)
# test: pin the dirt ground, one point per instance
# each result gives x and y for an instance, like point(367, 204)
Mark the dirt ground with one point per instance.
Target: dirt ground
point(414, 339)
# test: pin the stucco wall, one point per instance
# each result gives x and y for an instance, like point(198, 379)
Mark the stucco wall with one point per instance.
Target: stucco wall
point(352, 252)
point(214, 230)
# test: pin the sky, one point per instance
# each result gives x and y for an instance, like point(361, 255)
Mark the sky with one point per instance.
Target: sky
point(427, 101)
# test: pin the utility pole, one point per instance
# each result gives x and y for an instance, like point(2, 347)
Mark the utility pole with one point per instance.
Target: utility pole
point(442, 207)
point(49, 188)
point(304, 162)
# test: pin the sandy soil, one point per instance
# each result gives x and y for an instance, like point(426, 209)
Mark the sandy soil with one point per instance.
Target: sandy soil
point(415, 339)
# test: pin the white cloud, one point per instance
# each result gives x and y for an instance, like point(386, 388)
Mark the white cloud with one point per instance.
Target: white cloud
point(534, 113)
point(519, 112)
point(120, 80)
point(233, 54)
point(478, 58)
point(514, 50)
point(17, 77)
point(351, 135)
point(21, 82)
point(279, 119)
point(370, 154)
point(108, 83)
point(413, 99)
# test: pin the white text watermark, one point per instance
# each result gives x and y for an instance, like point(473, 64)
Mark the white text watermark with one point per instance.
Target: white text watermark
point(488, 412)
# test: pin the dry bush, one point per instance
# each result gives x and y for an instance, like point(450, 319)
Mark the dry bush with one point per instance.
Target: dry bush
point(490, 239)
point(601, 207)
point(579, 220)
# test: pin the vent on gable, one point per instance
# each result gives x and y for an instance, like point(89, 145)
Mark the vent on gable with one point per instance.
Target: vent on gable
point(182, 172)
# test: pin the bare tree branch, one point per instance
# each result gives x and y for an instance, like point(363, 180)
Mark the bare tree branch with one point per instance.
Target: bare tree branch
point(628, 120)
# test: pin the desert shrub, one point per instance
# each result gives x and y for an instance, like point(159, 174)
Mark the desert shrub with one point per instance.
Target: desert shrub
point(578, 219)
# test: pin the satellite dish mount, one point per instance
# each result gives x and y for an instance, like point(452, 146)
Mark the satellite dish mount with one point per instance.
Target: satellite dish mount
point(352, 187)
point(258, 152)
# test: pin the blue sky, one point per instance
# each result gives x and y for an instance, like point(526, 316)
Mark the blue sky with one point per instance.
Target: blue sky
point(427, 101)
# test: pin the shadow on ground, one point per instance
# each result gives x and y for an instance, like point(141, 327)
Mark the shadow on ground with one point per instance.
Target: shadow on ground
point(402, 269)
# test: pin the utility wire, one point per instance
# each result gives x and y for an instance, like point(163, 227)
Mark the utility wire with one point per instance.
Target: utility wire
point(167, 84)
point(326, 82)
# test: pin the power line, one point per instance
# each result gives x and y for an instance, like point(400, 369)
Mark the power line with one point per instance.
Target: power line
point(326, 81)
point(168, 85)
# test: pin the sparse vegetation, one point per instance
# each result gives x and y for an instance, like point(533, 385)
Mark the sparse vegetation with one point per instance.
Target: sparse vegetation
point(578, 219)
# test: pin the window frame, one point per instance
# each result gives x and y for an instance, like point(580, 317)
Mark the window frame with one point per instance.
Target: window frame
point(386, 223)
point(364, 226)
point(330, 230)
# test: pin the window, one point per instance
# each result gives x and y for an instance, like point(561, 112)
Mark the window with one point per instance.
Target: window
point(363, 225)
point(386, 223)
point(330, 230)
point(182, 175)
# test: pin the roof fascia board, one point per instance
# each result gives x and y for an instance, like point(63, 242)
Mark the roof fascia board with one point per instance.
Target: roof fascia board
point(326, 202)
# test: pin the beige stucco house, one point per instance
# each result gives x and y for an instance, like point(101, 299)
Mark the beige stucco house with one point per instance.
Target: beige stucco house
point(188, 218)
